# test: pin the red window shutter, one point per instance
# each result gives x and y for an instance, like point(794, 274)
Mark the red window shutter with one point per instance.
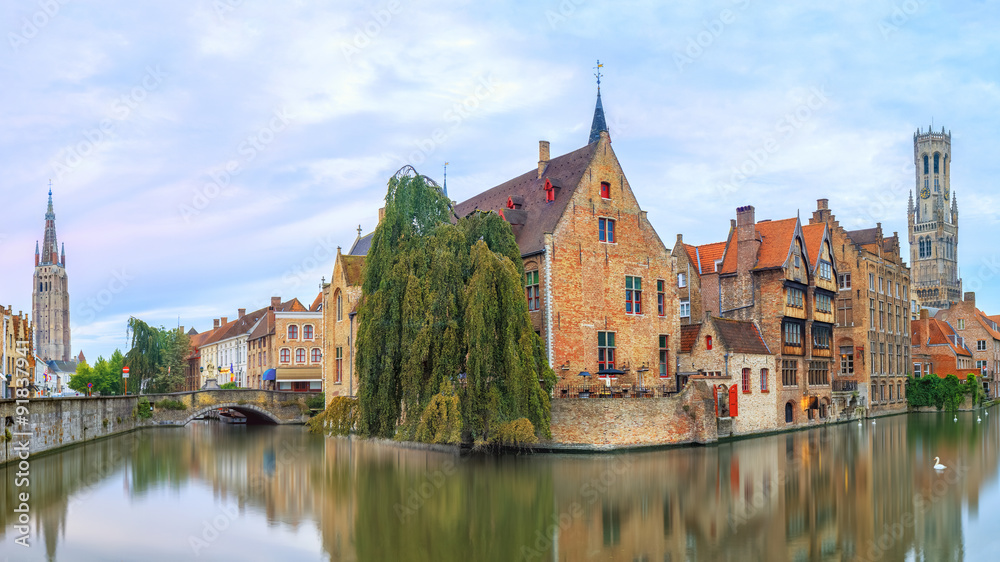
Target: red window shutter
point(733, 410)
point(716, 401)
point(708, 342)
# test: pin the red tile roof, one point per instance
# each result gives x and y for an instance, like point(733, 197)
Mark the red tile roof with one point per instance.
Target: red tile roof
point(317, 303)
point(776, 240)
point(708, 254)
point(988, 323)
point(689, 335)
point(813, 236)
point(938, 335)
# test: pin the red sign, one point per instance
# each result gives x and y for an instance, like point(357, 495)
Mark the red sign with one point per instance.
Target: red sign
point(124, 369)
point(90, 385)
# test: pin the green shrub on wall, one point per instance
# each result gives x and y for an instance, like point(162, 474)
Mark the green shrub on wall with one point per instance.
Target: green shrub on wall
point(170, 404)
point(338, 418)
point(944, 394)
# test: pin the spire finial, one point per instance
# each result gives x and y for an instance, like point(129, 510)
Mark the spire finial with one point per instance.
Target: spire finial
point(600, 123)
point(359, 231)
point(598, 74)
point(445, 189)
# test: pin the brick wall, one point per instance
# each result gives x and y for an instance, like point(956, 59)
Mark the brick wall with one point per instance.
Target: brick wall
point(688, 417)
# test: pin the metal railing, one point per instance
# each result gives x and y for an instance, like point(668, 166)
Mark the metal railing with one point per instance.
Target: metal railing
point(599, 390)
point(845, 386)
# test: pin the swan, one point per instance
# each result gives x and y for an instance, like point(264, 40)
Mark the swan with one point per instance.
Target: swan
point(859, 423)
point(956, 418)
point(979, 419)
point(938, 465)
point(873, 422)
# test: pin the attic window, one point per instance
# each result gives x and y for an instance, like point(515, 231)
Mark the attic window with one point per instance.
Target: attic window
point(510, 203)
point(605, 190)
point(708, 343)
point(550, 192)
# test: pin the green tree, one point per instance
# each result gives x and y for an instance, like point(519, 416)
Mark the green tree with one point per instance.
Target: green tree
point(155, 358)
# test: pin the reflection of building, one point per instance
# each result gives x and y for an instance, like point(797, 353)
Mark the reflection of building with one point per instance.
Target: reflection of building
point(341, 297)
point(872, 347)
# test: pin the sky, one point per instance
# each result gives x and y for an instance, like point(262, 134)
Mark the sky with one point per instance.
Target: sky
point(207, 155)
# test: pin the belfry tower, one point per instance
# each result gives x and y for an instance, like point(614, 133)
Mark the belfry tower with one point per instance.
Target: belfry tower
point(933, 223)
point(50, 295)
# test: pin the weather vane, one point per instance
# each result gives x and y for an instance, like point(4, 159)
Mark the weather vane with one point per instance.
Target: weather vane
point(598, 74)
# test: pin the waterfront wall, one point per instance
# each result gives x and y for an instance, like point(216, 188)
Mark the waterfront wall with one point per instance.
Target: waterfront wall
point(56, 422)
point(613, 423)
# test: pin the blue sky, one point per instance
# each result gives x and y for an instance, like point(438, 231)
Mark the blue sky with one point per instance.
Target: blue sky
point(207, 155)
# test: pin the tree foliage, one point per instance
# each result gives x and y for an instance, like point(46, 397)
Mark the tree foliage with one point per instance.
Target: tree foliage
point(156, 358)
point(943, 393)
point(106, 375)
point(441, 299)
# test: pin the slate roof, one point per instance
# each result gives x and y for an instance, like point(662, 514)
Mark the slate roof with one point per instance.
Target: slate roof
point(61, 366)
point(361, 245)
point(740, 337)
point(863, 236)
point(689, 335)
point(564, 171)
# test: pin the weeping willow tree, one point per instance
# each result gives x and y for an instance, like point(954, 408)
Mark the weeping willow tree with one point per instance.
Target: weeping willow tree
point(155, 358)
point(425, 281)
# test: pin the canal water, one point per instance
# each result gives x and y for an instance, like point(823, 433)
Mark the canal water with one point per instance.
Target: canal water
point(211, 491)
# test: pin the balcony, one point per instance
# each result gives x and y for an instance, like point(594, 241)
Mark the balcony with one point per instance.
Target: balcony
point(845, 386)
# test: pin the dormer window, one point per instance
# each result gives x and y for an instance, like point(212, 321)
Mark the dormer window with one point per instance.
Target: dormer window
point(550, 190)
point(605, 190)
point(708, 343)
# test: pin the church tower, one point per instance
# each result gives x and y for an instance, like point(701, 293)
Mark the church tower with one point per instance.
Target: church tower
point(50, 295)
point(933, 223)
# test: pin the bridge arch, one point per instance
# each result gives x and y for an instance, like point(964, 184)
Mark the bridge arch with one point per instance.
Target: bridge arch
point(249, 410)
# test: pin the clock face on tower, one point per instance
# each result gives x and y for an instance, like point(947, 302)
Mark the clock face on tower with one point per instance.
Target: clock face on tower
point(925, 193)
point(946, 190)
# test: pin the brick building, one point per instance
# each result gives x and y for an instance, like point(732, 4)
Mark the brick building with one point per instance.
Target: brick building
point(341, 297)
point(982, 336)
point(50, 295)
point(732, 356)
point(298, 344)
point(938, 350)
point(782, 276)
point(599, 280)
point(872, 330)
point(262, 348)
point(17, 344)
point(697, 272)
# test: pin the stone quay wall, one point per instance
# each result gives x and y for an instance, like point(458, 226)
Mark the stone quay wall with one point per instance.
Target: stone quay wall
point(623, 423)
point(57, 422)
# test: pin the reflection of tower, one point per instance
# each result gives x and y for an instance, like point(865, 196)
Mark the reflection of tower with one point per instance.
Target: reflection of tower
point(50, 295)
point(933, 223)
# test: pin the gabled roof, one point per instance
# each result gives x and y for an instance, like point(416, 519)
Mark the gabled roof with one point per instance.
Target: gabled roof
point(564, 172)
point(938, 334)
point(740, 337)
point(988, 323)
point(361, 245)
point(317, 304)
point(689, 335)
point(863, 236)
point(703, 257)
point(266, 324)
point(775, 243)
point(352, 269)
point(813, 234)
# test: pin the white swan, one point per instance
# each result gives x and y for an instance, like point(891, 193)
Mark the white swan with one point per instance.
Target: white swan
point(873, 422)
point(979, 419)
point(956, 418)
point(938, 465)
point(859, 423)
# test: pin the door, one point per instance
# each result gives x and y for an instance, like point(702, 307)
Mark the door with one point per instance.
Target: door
point(733, 410)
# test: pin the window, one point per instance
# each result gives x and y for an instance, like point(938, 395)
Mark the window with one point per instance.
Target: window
point(882, 392)
point(293, 332)
point(794, 297)
point(708, 343)
point(340, 365)
point(916, 370)
point(871, 281)
point(981, 345)
point(633, 295)
point(937, 158)
point(880, 285)
point(881, 317)
point(897, 290)
point(821, 337)
point(606, 230)
point(307, 332)
point(981, 365)
point(605, 190)
point(844, 281)
point(793, 334)
point(819, 373)
point(605, 350)
point(685, 307)
point(763, 380)
point(663, 356)
point(846, 360)
point(890, 392)
point(871, 313)
point(798, 262)
point(937, 188)
point(961, 323)
point(825, 270)
point(531, 289)
point(317, 355)
point(789, 372)
point(300, 355)
point(340, 307)
point(746, 380)
point(899, 391)
point(286, 355)
point(824, 304)
point(661, 299)
point(682, 280)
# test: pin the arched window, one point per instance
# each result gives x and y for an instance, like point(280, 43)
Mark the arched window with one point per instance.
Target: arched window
point(937, 157)
point(340, 307)
point(300, 355)
point(317, 355)
point(307, 332)
point(925, 164)
point(788, 413)
point(293, 332)
point(286, 355)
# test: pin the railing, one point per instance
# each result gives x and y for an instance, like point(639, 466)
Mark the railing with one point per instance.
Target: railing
point(845, 386)
point(599, 390)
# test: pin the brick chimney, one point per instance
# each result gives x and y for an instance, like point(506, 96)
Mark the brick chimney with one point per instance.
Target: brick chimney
point(970, 297)
point(745, 222)
point(822, 204)
point(747, 244)
point(215, 323)
point(381, 214)
point(242, 312)
point(225, 320)
point(276, 301)
point(543, 157)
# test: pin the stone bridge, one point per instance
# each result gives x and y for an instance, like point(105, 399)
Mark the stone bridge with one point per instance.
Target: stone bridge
point(266, 406)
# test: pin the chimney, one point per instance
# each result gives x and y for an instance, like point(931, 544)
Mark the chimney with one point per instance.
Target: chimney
point(745, 223)
point(970, 297)
point(276, 301)
point(822, 204)
point(215, 323)
point(543, 157)
point(180, 328)
point(680, 238)
point(381, 214)
point(242, 312)
point(924, 314)
point(225, 320)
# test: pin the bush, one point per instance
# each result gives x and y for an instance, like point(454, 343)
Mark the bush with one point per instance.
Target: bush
point(947, 393)
point(228, 386)
point(316, 402)
point(441, 420)
point(514, 434)
point(144, 410)
point(171, 404)
point(338, 418)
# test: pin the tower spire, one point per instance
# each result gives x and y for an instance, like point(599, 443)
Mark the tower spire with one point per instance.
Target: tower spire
point(599, 124)
point(445, 179)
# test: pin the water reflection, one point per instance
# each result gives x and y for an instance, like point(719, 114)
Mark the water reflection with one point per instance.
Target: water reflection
point(843, 492)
